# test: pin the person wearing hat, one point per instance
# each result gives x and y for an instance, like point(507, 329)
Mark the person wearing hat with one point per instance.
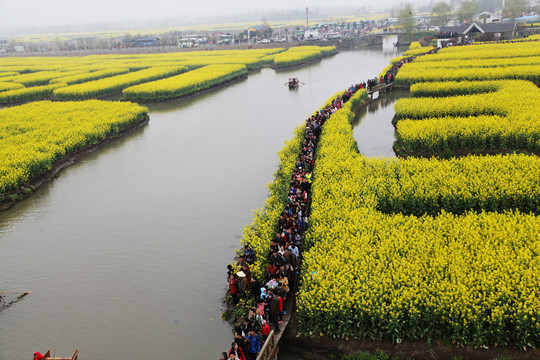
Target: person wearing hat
point(244, 284)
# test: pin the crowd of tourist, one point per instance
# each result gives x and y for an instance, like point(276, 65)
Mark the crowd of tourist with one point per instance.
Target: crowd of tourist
point(448, 35)
point(273, 292)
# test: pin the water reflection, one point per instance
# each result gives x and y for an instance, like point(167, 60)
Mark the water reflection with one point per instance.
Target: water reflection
point(375, 133)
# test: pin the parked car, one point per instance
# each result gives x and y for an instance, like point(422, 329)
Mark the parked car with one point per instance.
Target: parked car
point(333, 35)
point(433, 28)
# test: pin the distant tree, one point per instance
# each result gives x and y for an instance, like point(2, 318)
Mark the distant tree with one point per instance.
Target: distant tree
point(169, 38)
point(514, 8)
point(466, 11)
point(406, 21)
point(266, 31)
point(441, 14)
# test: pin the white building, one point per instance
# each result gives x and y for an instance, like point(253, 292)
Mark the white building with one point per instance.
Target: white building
point(487, 18)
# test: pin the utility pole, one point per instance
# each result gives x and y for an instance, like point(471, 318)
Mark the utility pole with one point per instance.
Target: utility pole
point(307, 18)
point(278, 24)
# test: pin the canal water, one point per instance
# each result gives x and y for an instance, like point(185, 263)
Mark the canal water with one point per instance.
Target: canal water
point(125, 252)
point(373, 129)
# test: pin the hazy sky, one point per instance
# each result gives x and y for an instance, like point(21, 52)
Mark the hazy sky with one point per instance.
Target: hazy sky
point(22, 13)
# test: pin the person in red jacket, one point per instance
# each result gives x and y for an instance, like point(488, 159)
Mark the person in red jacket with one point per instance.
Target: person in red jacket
point(38, 356)
point(233, 289)
point(237, 350)
point(265, 331)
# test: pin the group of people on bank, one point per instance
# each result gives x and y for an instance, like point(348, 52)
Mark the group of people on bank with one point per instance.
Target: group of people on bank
point(272, 293)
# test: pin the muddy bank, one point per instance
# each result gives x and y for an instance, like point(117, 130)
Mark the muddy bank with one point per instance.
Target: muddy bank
point(326, 347)
point(30, 186)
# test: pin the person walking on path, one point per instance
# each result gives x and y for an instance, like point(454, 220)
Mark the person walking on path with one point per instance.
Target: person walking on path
point(275, 310)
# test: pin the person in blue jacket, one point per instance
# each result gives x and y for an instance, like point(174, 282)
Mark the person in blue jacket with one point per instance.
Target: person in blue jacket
point(254, 345)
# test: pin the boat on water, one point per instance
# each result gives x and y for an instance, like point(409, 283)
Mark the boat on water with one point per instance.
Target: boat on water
point(293, 83)
point(47, 356)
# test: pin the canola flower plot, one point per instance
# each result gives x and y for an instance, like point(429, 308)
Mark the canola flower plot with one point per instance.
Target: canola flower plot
point(10, 86)
point(430, 248)
point(299, 55)
point(251, 63)
point(186, 83)
point(459, 185)
point(417, 50)
point(36, 135)
point(7, 73)
point(479, 62)
point(27, 94)
point(111, 85)
point(84, 77)
point(525, 72)
point(486, 51)
point(38, 78)
point(470, 279)
point(485, 119)
point(453, 88)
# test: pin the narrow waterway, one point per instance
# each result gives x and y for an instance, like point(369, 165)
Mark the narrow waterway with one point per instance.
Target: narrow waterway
point(126, 251)
point(373, 129)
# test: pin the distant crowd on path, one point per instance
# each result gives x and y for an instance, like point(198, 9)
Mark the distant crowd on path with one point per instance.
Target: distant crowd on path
point(272, 293)
point(447, 35)
point(390, 75)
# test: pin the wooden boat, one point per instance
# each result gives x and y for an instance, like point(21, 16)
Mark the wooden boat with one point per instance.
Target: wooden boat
point(293, 83)
point(75, 356)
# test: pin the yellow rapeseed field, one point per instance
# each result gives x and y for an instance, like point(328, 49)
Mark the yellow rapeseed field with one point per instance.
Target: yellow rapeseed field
point(34, 136)
point(433, 248)
point(471, 277)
